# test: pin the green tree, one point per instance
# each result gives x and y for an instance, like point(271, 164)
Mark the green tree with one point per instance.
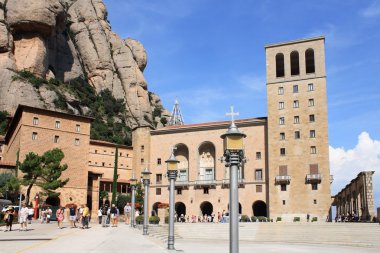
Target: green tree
point(9, 185)
point(44, 171)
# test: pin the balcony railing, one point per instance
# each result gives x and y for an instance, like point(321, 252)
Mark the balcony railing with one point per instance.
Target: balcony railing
point(283, 179)
point(313, 178)
point(181, 184)
point(226, 182)
point(205, 183)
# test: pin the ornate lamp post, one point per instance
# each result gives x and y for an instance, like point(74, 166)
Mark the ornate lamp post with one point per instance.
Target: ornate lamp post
point(234, 157)
point(146, 180)
point(133, 182)
point(172, 172)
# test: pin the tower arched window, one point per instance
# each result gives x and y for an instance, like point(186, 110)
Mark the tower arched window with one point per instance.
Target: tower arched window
point(294, 63)
point(280, 68)
point(309, 60)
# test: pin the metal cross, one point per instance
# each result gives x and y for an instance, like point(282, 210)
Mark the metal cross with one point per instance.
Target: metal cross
point(232, 114)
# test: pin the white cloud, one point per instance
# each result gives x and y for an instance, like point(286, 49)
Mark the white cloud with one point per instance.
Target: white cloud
point(252, 82)
point(373, 10)
point(346, 164)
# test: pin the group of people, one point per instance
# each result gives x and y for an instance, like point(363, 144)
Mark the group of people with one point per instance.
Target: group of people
point(25, 217)
point(110, 215)
point(353, 217)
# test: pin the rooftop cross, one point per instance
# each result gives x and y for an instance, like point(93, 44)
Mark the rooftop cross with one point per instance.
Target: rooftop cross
point(232, 114)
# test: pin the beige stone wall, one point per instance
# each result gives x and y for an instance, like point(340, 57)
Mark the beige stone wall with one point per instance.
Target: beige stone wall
point(193, 138)
point(141, 149)
point(299, 197)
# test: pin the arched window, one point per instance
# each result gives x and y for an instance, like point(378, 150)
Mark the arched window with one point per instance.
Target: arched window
point(280, 69)
point(182, 155)
point(294, 63)
point(309, 60)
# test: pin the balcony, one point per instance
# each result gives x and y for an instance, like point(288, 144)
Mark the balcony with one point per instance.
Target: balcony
point(226, 183)
point(211, 183)
point(282, 179)
point(313, 178)
point(182, 184)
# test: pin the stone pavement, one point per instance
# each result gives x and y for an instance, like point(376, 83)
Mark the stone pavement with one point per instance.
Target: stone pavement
point(197, 238)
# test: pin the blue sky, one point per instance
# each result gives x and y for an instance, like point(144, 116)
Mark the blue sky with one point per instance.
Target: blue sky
point(210, 55)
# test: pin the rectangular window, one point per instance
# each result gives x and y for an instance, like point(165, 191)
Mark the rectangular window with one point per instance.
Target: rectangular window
point(314, 187)
point(158, 161)
point(103, 164)
point(282, 121)
point(158, 191)
point(311, 102)
point(281, 105)
point(56, 138)
point(35, 121)
point(57, 124)
point(96, 151)
point(283, 202)
point(205, 190)
point(310, 87)
point(282, 136)
point(259, 188)
point(179, 191)
point(77, 128)
point(259, 174)
point(121, 154)
point(282, 151)
point(258, 155)
point(311, 118)
point(296, 119)
point(142, 161)
point(34, 136)
point(312, 133)
point(295, 88)
point(142, 148)
point(76, 142)
point(158, 178)
point(313, 150)
point(315, 201)
point(280, 90)
point(297, 135)
point(283, 187)
point(296, 104)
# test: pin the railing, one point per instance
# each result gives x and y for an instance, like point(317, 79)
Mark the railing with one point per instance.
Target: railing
point(205, 182)
point(282, 179)
point(226, 182)
point(181, 183)
point(313, 178)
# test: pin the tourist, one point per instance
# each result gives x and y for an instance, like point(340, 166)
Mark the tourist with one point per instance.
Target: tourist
point(307, 217)
point(43, 215)
point(23, 217)
point(48, 213)
point(60, 216)
point(8, 218)
point(100, 215)
point(85, 216)
point(212, 217)
point(80, 214)
point(219, 216)
point(73, 215)
point(127, 213)
point(30, 214)
point(113, 215)
point(117, 216)
point(104, 216)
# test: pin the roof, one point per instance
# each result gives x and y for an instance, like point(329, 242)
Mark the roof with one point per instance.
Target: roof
point(210, 125)
point(7, 164)
point(109, 144)
point(294, 41)
point(22, 108)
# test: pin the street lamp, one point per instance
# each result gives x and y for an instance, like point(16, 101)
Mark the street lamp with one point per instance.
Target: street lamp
point(146, 180)
point(133, 182)
point(234, 157)
point(172, 172)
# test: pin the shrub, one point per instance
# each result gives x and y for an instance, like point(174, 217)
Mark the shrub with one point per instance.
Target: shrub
point(253, 218)
point(154, 219)
point(314, 219)
point(278, 219)
point(244, 218)
point(164, 121)
point(262, 218)
point(3, 121)
point(166, 219)
point(296, 219)
point(140, 219)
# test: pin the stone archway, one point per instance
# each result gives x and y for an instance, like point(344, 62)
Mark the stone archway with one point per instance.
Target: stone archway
point(53, 201)
point(206, 208)
point(155, 209)
point(180, 208)
point(259, 208)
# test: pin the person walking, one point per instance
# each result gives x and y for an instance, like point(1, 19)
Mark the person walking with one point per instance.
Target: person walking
point(8, 218)
point(104, 216)
point(127, 213)
point(30, 214)
point(73, 215)
point(48, 213)
point(100, 215)
point(85, 216)
point(60, 216)
point(113, 215)
point(24, 212)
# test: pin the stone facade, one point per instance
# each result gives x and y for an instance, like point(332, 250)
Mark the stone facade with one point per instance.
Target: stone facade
point(357, 198)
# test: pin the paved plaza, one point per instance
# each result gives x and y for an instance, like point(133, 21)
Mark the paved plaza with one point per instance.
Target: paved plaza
point(197, 238)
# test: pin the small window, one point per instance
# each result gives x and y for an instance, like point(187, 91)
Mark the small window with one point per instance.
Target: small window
point(121, 154)
point(259, 188)
point(283, 202)
point(314, 187)
point(297, 135)
point(281, 105)
point(179, 191)
point(282, 121)
point(313, 150)
point(76, 142)
point(142, 160)
point(312, 133)
point(96, 151)
point(56, 138)
point(282, 151)
point(57, 124)
point(103, 164)
point(315, 201)
point(283, 187)
point(158, 178)
point(311, 118)
point(311, 102)
point(205, 190)
point(296, 104)
point(34, 136)
point(310, 87)
point(258, 155)
point(295, 88)
point(259, 174)
point(35, 121)
point(282, 136)
point(142, 148)
point(296, 119)
point(158, 161)
point(280, 90)
point(89, 162)
point(158, 191)
point(77, 128)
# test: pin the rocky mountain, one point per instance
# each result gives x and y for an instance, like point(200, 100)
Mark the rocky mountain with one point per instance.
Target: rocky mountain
point(54, 52)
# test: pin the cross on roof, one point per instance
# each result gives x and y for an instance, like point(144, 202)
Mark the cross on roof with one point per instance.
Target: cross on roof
point(232, 114)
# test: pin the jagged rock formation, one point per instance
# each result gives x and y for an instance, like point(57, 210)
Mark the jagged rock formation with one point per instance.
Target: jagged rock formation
point(70, 40)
